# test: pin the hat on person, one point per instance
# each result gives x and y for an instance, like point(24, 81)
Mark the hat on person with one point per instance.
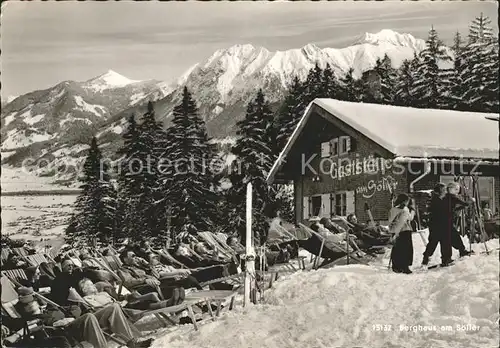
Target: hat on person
point(25, 294)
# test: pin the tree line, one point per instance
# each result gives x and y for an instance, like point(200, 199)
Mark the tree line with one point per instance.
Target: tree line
point(172, 180)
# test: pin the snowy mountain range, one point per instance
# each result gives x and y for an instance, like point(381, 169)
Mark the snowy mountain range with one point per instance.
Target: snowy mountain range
point(57, 122)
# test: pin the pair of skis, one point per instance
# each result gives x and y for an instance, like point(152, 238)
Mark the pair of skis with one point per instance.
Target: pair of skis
point(438, 265)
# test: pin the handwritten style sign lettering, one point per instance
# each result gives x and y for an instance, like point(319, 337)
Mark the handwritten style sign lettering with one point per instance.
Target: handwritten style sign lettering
point(387, 183)
point(346, 167)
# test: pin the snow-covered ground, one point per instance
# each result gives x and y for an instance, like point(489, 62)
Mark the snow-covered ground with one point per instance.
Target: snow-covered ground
point(19, 179)
point(36, 217)
point(33, 217)
point(365, 306)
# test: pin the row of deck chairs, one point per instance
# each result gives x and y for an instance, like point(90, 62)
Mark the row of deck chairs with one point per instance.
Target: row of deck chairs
point(165, 315)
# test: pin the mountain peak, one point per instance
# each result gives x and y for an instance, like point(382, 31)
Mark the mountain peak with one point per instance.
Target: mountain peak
point(110, 79)
point(388, 36)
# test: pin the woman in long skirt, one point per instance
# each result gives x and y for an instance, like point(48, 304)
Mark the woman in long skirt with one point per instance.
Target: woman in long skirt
point(400, 219)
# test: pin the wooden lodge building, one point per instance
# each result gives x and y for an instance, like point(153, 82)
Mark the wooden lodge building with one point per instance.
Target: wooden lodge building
point(343, 155)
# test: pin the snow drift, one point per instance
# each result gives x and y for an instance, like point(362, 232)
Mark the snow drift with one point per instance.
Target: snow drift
point(366, 306)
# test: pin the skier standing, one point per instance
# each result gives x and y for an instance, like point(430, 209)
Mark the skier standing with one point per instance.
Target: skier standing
point(437, 197)
point(399, 224)
point(451, 204)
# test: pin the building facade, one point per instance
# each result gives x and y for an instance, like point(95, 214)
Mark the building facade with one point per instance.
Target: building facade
point(340, 166)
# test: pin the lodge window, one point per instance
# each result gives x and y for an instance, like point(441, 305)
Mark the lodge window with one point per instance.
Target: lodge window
point(334, 145)
point(341, 204)
point(344, 145)
point(316, 205)
point(325, 149)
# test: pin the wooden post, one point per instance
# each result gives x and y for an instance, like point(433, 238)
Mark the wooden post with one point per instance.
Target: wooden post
point(250, 254)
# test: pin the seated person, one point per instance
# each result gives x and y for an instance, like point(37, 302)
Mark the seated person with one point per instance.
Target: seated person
point(16, 339)
point(370, 235)
point(160, 270)
point(83, 327)
point(234, 244)
point(136, 278)
point(333, 241)
point(97, 297)
point(14, 262)
point(33, 278)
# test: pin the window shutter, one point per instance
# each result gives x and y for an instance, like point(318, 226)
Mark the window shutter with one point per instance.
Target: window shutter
point(325, 205)
point(305, 207)
point(350, 204)
point(332, 205)
point(347, 144)
point(334, 144)
point(325, 149)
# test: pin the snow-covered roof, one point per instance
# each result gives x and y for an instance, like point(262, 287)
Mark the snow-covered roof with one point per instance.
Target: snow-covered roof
point(411, 132)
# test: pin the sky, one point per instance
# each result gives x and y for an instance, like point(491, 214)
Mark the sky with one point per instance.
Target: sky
point(44, 43)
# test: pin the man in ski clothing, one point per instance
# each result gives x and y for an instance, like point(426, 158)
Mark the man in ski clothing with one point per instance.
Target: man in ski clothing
point(437, 197)
point(445, 216)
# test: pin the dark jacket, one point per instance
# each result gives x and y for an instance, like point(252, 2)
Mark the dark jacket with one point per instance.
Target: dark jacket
point(435, 210)
point(59, 291)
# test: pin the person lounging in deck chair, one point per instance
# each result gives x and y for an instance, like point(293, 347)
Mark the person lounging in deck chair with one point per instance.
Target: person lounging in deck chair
point(313, 245)
point(136, 278)
point(371, 236)
point(83, 327)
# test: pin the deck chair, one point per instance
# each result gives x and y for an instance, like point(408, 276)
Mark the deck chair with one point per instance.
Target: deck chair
point(113, 337)
point(36, 259)
point(15, 274)
point(18, 274)
point(349, 227)
point(290, 238)
point(5, 254)
point(21, 252)
point(166, 254)
point(218, 296)
point(338, 246)
point(9, 300)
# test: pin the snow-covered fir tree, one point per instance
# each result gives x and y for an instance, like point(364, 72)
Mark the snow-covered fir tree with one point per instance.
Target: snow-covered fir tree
point(254, 161)
point(457, 86)
point(129, 188)
point(405, 82)
point(290, 112)
point(480, 71)
point(94, 217)
point(313, 84)
point(388, 77)
point(329, 83)
point(150, 221)
point(433, 82)
point(189, 177)
point(350, 88)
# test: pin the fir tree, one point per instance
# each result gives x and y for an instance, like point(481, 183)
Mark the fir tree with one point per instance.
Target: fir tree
point(129, 188)
point(388, 76)
point(95, 207)
point(290, 112)
point(350, 88)
point(150, 222)
point(329, 85)
point(457, 85)
point(405, 83)
point(480, 73)
point(432, 86)
point(313, 84)
point(189, 178)
point(255, 159)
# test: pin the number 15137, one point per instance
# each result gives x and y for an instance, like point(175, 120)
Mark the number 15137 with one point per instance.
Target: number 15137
point(381, 327)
